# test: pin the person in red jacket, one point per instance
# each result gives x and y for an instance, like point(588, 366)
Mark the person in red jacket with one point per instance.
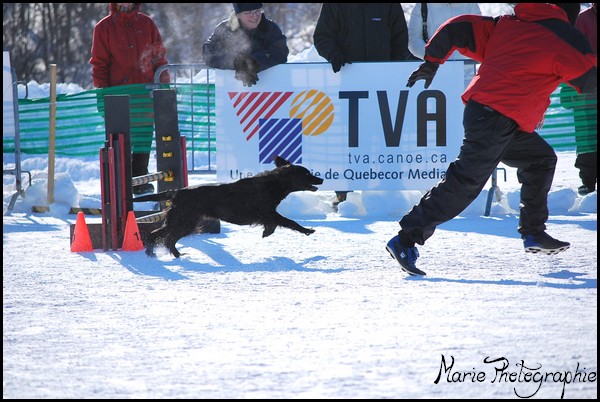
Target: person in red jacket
point(524, 57)
point(127, 48)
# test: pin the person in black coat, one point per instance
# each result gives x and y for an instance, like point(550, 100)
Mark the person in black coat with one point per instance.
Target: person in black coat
point(361, 32)
point(348, 32)
point(247, 42)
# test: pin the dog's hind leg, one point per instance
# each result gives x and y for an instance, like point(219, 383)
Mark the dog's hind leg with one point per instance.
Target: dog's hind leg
point(173, 238)
point(150, 241)
point(170, 244)
point(177, 228)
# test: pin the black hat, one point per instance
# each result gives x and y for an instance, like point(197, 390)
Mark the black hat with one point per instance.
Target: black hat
point(572, 10)
point(239, 7)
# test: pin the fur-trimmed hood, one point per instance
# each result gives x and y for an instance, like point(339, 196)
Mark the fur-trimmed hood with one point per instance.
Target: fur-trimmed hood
point(234, 22)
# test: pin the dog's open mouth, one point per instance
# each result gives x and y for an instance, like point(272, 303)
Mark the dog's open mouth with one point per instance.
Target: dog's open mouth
point(313, 186)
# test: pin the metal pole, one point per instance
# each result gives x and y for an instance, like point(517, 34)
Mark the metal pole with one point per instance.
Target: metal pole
point(52, 134)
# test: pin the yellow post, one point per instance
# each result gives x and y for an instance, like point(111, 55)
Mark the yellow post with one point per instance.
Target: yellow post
point(52, 134)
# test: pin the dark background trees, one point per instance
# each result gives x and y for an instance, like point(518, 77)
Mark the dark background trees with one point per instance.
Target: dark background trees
point(40, 34)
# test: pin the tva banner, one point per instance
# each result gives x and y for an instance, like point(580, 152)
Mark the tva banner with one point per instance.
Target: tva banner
point(359, 129)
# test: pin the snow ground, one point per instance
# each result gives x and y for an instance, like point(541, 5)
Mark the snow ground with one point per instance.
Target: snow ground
point(330, 315)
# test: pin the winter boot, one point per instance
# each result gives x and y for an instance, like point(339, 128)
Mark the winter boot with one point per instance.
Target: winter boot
point(543, 243)
point(406, 256)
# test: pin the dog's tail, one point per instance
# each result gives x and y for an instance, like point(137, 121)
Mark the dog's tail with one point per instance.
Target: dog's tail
point(162, 196)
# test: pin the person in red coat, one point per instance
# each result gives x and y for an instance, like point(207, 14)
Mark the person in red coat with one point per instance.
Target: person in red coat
point(524, 57)
point(127, 48)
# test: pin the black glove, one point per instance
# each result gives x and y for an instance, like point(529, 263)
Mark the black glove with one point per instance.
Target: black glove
point(426, 71)
point(337, 62)
point(252, 67)
point(247, 79)
point(239, 63)
point(246, 69)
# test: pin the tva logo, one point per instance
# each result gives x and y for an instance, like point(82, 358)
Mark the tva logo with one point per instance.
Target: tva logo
point(310, 114)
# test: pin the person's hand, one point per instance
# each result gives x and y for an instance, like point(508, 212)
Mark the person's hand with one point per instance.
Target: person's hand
point(239, 63)
point(337, 62)
point(252, 67)
point(247, 79)
point(250, 79)
point(246, 69)
point(426, 71)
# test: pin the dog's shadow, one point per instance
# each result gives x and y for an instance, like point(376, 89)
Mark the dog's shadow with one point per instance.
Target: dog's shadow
point(226, 262)
point(167, 267)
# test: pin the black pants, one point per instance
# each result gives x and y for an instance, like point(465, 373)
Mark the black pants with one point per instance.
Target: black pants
point(586, 137)
point(139, 164)
point(587, 164)
point(489, 138)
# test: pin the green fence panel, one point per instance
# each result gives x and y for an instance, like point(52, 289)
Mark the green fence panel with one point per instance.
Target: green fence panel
point(571, 121)
point(80, 129)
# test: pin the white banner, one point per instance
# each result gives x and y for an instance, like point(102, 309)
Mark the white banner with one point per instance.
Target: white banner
point(359, 129)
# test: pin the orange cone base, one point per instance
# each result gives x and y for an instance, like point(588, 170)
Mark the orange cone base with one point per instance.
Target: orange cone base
point(82, 241)
point(132, 241)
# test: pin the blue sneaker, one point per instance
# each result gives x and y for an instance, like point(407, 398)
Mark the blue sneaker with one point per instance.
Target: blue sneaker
point(407, 257)
point(543, 243)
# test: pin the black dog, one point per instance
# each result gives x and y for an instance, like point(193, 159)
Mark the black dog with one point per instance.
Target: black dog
point(248, 201)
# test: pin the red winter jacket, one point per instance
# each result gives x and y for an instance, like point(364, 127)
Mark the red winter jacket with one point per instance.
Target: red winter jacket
point(126, 49)
point(524, 57)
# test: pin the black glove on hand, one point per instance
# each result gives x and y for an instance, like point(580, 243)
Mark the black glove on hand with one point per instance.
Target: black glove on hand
point(246, 69)
point(247, 79)
point(426, 71)
point(239, 63)
point(252, 66)
point(337, 62)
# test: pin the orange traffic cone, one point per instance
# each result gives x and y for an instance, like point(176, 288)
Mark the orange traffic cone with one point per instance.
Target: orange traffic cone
point(81, 237)
point(132, 241)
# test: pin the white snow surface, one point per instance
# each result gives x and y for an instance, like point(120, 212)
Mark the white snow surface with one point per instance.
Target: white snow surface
point(329, 315)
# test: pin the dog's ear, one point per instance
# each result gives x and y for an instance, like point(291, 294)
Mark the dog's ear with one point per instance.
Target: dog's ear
point(279, 161)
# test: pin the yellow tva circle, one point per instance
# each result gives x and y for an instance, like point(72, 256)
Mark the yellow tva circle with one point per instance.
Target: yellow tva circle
point(315, 110)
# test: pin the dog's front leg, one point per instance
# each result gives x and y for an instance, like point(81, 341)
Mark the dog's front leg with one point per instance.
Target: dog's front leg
point(290, 224)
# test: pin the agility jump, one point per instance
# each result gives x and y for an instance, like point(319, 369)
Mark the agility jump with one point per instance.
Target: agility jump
point(115, 168)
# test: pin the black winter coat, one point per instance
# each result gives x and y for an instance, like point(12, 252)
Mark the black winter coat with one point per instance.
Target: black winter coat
point(362, 32)
point(266, 44)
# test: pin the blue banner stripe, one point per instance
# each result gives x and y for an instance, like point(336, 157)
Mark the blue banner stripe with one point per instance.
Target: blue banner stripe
point(280, 136)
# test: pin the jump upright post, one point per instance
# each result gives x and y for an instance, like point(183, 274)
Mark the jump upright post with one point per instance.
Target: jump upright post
point(115, 169)
point(115, 159)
